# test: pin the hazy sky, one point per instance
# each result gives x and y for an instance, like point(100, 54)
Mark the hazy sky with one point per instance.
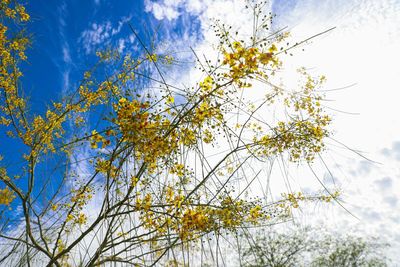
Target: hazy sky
point(360, 58)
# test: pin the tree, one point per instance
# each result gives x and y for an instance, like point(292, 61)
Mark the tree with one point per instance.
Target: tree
point(270, 248)
point(350, 251)
point(310, 247)
point(151, 190)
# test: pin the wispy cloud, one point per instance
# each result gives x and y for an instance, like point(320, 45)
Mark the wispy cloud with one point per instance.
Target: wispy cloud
point(66, 53)
point(96, 35)
point(65, 63)
point(100, 34)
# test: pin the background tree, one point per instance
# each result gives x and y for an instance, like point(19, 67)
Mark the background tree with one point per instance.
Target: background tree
point(274, 249)
point(350, 251)
point(309, 247)
point(167, 168)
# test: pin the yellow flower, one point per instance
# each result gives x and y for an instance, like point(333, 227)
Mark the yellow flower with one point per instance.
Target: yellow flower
point(22, 13)
point(170, 99)
point(6, 196)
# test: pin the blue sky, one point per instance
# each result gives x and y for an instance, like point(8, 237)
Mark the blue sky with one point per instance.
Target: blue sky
point(60, 50)
point(362, 52)
point(66, 35)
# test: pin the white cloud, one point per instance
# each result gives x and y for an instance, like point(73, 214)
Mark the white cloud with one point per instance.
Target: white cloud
point(66, 81)
point(162, 11)
point(393, 152)
point(97, 34)
point(170, 10)
point(66, 53)
point(100, 34)
point(121, 45)
point(385, 183)
point(362, 50)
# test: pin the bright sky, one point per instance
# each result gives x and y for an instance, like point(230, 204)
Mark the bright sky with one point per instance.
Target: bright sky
point(360, 55)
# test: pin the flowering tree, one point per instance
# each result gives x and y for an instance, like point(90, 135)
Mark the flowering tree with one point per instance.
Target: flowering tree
point(153, 189)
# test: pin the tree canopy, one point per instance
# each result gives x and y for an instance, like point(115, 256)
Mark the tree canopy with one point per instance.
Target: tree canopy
point(168, 168)
point(310, 247)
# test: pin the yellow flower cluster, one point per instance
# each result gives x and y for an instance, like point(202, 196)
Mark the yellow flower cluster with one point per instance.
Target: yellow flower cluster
point(154, 136)
point(105, 167)
point(194, 221)
point(207, 84)
point(77, 218)
point(80, 197)
point(303, 135)
point(189, 220)
point(293, 199)
point(205, 112)
point(145, 131)
point(41, 133)
point(12, 50)
point(98, 138)
point(152, 57)
point(178, 169)
point(6, 196)
point(89, 97)
point(243, 61)
point(328, 198)
point(16, 12)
